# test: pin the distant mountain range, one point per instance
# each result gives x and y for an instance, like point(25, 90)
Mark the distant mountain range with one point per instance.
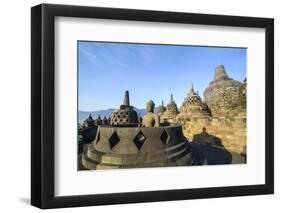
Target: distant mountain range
point(107, 112)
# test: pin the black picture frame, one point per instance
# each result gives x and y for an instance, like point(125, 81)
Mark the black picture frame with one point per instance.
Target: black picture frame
point(43, 102)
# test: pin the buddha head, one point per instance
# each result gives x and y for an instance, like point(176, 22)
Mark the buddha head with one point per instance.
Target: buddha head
point(150, 106)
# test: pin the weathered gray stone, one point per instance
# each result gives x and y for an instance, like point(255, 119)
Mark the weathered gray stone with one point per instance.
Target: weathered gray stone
point(136, 147)
point(126, 115)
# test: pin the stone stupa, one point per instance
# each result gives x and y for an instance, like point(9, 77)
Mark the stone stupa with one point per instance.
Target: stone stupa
point(223, 93)
point(193, 106)
point(161, 109)
point(89, 122)
point(170, 114)
point(132, 145)
point(126, 115)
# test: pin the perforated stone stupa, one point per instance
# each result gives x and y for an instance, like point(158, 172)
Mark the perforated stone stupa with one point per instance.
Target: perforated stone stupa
point(171, 112)
point(223, 94)
point(193, 106)
point(126, 115)
point(89, 122)
point(161, 109)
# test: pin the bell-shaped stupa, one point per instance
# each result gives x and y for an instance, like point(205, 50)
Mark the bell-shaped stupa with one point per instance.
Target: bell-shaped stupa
point(126, 115)
point(193, 106)
point(171, 112)
point(161, 109)
point(89, 122)
point(223, 93)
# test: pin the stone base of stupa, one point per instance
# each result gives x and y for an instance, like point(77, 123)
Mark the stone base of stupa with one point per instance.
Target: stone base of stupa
point(138, 147)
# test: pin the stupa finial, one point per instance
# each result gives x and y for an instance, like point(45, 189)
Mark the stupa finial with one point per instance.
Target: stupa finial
point(90, 116)
point(172, 99)
point(126, 99)
point(220, 73)
point(191, 88)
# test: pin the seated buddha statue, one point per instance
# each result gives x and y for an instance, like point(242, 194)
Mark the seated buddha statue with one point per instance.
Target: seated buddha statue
point(150, 119)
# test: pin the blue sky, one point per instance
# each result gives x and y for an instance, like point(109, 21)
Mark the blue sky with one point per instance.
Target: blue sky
point(148, 71)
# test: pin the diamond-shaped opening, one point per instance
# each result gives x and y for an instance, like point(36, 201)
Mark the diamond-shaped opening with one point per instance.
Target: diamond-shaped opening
point(98, 138)
point(164, 137)
point(113, 140)
point(139, 140)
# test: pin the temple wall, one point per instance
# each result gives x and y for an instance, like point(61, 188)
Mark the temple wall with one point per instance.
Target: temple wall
point(225, 125)
point(231, 130)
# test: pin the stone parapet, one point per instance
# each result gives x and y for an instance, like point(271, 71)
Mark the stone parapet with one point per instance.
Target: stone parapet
point(131, 147)
point(232, 131)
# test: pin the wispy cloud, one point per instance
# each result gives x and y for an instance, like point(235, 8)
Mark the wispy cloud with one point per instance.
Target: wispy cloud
point(149, 71)
point(116, 54)
point(89, 55)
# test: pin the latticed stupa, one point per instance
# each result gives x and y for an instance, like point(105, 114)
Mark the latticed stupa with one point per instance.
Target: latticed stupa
point(193, 106)
point(105, 121)
point(223, 94)
point(171, 111)
point(98, 121)
point(126, 115)
point(89, 122)
point(87, 131)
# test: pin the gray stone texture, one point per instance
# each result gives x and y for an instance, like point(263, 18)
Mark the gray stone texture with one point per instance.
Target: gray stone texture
point(130, 147)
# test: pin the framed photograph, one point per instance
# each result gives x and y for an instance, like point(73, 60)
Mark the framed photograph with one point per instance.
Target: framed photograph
point(136, 106)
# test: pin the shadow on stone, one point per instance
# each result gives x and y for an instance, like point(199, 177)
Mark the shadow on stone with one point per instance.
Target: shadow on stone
point(86, 136)
point(210, 148)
